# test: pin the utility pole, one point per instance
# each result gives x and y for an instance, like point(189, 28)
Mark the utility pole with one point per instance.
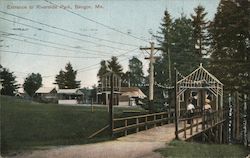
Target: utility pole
point(169, 67)
point(111, 116)
point(151, 59)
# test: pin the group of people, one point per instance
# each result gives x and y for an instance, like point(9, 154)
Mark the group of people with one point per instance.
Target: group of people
point(191, 110)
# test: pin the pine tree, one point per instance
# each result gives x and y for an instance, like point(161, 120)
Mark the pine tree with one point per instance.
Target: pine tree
point(103, 69)
point(67, 79)
point(136, 74)
point(8, 81)
point(230, 45)
point(114, 66)
point(200, 31)
point(32, 83)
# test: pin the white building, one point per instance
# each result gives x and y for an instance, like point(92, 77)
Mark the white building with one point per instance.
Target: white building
point(70, 96)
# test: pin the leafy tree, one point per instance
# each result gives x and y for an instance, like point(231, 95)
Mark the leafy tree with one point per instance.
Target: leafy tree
point(67, 79)
point(32, 83)
point(8, 81)
point(230, 58)
point(200, 25)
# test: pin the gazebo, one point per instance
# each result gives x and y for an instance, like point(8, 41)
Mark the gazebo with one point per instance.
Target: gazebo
point(199, 85)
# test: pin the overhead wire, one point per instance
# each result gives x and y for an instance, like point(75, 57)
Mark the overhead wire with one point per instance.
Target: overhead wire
point(70, 31)
point(94, 21)
point(59, 44)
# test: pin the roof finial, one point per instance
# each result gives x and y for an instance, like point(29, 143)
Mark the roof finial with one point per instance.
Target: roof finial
point(200, 64)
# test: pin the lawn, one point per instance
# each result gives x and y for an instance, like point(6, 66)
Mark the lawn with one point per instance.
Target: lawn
point(27, 125)
point(180, 149)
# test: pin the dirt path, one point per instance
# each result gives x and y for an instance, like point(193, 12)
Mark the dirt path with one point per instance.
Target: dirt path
point(137, 145)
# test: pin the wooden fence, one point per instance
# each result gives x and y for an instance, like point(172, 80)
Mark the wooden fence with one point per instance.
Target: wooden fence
point(141, 122)
point(206, 121)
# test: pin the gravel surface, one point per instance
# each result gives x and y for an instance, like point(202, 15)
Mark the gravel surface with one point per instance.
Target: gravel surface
point(139, 145)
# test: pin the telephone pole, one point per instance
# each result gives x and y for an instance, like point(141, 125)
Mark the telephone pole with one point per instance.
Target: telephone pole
point(151, 59)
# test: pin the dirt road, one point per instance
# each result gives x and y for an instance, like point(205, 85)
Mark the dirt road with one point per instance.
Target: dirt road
point(139, 145)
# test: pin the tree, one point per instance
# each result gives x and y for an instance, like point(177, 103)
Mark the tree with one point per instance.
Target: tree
point(8, 81)
point(67, 79)
point(136, 75)
point(115, 66)
point(103, 69)
point(230, 58)
point(200, 30)
point(111, 64)
point(32, 83)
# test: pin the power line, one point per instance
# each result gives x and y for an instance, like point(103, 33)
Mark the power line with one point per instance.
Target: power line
point(40, 44)
point(69, 31)
point(104, 25)
point(49, 55)
point(55, 43)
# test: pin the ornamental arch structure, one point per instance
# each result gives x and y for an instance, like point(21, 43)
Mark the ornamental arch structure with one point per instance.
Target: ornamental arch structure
point(200, 85)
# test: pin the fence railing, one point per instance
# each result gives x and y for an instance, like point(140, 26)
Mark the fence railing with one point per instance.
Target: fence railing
point(207, 120)
point(141, 122)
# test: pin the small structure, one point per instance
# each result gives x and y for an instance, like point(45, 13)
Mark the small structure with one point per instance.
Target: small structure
point(130, 96)
point(46, 94)
point(70, 96)
point(104, 89)
point(199, 86)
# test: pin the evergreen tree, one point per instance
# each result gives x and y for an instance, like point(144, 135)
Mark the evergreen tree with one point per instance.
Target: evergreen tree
point(230, 59)
point(67, 79)
point(8, 81)
point(200, 30)
point(32, 83)
point(114, 65)
point(136, 75)
point(103, 69)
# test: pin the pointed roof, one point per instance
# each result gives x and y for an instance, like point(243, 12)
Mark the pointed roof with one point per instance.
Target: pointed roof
point(198, 77)
point(45, 89)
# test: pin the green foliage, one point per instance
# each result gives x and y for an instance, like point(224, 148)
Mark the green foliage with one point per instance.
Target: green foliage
point(182, 149)
point(114, 65)
point(200, 30)
point(8, 81)
point(32, 83)
point(230, 59)
point(111, 64)
point(67, 79)
point(134, 76)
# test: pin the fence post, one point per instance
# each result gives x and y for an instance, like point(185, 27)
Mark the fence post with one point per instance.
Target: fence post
point(185, 129)
point(126, 130)
point(191, 129)
point(154, 120)
point(146, 121)
point(162, 119)
point(137, 127)
point(197, 125)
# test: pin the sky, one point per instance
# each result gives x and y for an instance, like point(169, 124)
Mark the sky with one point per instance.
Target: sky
point(42, 36)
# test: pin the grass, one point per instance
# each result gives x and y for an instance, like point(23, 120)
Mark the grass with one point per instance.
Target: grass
point(180, 149)
point(25, 124)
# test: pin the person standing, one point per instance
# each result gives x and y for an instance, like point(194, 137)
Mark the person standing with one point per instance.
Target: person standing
point(190, 111)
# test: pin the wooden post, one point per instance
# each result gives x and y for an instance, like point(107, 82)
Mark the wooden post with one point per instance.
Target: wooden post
point(154, 120)
point(237, 116)
point(92, 108)
point(197, 126)
point(161, 119)
point(111, 116)
point(191, 128)
point(176, 111)
point(146, 120)
point(126, 124)
point(185, 135)
point(137, 123)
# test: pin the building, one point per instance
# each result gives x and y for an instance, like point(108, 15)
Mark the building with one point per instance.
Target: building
point(104, 89)
point(130, 96)
point(46, 94)
point(70, 96)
